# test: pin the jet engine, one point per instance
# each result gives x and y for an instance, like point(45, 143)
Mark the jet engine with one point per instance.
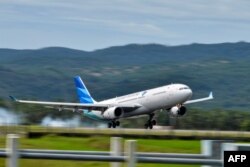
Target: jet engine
point(113, 113)
point(178, 111)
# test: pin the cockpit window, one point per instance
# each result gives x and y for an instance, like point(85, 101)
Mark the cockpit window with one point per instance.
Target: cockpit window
point(183, 88)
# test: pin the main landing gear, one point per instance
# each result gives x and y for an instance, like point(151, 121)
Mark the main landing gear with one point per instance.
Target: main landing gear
point(150, 123)
point(113, 124)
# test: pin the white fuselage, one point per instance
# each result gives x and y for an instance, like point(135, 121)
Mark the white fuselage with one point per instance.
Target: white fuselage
point(150, 100)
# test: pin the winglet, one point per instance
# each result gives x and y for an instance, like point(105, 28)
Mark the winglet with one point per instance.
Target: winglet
point(211, 95)
point(13, 98)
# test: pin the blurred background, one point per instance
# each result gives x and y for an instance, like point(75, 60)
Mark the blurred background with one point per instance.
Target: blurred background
point(121, 47)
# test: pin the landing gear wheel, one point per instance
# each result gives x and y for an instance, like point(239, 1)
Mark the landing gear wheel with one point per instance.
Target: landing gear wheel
point(109, 125)
point(113, 124)
point(117, 123)
point(150, 123)
point(150, 126)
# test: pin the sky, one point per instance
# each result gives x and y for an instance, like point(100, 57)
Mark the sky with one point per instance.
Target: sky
point(95, 24)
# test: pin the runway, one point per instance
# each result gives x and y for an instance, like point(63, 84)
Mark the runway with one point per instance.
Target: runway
point(31, 131)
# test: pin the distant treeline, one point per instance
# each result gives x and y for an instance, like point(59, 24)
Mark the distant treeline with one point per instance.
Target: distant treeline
point(216, 119)
point(199, 119)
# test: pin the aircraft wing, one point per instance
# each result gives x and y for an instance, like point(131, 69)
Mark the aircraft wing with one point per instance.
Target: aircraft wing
point(76, 106)
point(210, 97)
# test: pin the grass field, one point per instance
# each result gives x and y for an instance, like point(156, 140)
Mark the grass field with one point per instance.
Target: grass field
point(97, 143)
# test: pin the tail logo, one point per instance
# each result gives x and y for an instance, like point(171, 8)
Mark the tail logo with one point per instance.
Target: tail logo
point(82, 92)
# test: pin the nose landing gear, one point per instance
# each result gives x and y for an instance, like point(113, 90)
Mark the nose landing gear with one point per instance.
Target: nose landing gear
point(150, 123)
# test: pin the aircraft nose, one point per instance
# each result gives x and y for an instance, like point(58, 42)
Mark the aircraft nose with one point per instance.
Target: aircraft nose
point(189, 93)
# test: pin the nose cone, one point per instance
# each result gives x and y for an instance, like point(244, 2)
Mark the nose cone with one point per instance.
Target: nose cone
point(189, 93)
point(184, 91)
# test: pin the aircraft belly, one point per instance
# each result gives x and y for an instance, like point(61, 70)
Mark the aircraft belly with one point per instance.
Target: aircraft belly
point(156, 102)
point(166, 100)
point(139, 111)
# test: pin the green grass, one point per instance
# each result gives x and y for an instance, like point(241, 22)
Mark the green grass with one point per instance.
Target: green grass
point(169, 146)
point(97, 143)
point(67, 143)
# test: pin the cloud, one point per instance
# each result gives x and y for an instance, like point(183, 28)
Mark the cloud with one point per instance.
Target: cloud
point(119, 25)
point(179, 9)
point(161, 21)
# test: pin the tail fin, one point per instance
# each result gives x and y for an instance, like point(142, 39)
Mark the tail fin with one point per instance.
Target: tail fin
point(82, 92)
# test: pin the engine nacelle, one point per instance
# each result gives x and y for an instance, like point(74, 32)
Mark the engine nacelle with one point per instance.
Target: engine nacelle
point(113, 113)
point(178, 111)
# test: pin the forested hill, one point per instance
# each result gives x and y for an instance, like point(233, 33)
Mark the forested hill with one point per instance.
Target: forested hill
point(47, 74)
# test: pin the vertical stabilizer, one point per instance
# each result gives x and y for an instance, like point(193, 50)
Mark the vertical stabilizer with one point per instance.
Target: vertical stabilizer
point(82, 92)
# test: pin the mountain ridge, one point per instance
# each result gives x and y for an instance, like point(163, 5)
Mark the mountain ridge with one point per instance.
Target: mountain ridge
point(47, 73)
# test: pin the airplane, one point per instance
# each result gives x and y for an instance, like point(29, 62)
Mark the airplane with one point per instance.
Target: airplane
point(171, 97)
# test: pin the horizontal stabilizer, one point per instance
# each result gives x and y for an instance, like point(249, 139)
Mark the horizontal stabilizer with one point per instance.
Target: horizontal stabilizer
point(13, 98)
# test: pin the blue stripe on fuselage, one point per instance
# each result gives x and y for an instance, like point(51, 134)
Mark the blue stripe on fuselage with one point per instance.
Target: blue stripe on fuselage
point(93, 116)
